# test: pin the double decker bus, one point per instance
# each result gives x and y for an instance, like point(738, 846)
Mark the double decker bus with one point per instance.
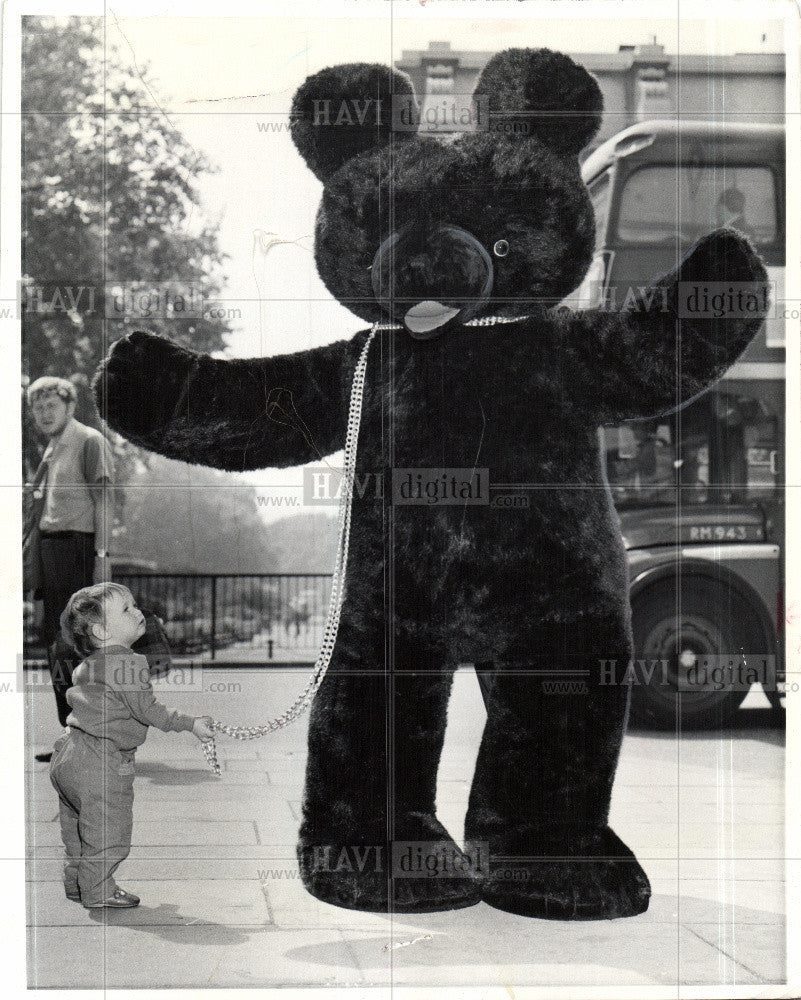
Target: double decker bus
point(699, 492)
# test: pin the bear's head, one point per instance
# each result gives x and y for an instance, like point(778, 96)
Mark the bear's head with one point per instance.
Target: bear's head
point(430, 233)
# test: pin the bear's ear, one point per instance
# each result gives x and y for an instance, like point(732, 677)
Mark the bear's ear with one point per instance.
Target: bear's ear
point(344, 110)
point(543, 94)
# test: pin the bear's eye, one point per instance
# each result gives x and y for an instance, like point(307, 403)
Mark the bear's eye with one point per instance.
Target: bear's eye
point(501, 248)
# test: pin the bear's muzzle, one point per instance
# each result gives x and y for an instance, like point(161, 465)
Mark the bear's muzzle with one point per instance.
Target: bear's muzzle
point(431, 279)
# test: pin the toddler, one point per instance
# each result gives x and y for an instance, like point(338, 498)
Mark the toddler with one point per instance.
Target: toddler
point(92, 768)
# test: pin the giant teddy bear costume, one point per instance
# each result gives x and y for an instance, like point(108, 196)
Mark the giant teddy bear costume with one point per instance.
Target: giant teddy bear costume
point(495, 226)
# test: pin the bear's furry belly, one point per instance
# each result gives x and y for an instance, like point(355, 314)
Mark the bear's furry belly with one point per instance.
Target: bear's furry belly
point(475, 579)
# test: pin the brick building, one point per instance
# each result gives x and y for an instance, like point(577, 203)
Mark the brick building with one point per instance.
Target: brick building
point(638, 82)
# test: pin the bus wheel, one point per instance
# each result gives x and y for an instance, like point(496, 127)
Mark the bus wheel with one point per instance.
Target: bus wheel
point(671, 639)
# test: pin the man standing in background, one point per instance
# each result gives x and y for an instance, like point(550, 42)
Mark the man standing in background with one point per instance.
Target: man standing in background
point(75, 472)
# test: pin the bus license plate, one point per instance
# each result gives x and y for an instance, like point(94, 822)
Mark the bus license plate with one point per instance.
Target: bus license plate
point(723, 533)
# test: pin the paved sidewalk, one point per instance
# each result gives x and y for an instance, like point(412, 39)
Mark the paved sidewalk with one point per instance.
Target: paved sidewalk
point(222, 905)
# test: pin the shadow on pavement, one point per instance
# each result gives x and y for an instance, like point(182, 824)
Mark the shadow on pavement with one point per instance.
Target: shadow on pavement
point(163, 774)
point(169, 924)
point(676, 941)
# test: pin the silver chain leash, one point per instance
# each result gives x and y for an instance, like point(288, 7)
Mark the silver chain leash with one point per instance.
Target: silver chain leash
point(304, 699)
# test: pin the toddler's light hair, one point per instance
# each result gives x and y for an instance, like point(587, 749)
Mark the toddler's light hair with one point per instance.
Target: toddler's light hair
point(84, 609)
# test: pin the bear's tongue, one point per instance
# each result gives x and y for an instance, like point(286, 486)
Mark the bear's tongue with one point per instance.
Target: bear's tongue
point(427, 316)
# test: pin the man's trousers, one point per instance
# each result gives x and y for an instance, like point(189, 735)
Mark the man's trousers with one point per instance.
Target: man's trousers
point(68, 559)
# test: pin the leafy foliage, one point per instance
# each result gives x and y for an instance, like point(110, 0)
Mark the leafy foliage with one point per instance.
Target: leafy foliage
point(109, 198)
point(186, 518)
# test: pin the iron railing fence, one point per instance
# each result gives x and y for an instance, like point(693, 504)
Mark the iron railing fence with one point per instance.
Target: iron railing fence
point(234, 612)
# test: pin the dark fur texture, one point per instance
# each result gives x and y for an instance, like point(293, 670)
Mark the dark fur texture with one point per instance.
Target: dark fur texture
point(343, 111)
point(535, 589)
point(545, 92)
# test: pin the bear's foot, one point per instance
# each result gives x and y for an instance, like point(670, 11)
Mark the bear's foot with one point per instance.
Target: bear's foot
point(599, 879)
point(381, 876)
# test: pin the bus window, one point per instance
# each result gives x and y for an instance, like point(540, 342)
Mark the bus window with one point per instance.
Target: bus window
point(722, 449)
point(599, 190)
point(589, 293)
point(659, 200)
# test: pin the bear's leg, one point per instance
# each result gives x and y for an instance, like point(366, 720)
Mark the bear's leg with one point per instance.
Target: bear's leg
point(375, 737)
point(543, 781)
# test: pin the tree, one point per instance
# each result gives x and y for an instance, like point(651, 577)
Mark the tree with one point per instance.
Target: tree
point(110, 211)
point(191, 519)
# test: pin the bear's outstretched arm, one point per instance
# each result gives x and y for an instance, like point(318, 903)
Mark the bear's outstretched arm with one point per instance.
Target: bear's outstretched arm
point(229, 414)
point(656, 354)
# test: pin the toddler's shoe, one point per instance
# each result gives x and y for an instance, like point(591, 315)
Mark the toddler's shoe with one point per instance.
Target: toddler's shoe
point(72, 893)
point(120, 900)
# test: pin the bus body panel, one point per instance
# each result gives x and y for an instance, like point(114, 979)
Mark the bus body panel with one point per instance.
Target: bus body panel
point(699, 493)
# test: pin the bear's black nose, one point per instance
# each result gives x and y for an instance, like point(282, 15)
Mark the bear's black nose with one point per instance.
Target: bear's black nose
point(431, 279)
